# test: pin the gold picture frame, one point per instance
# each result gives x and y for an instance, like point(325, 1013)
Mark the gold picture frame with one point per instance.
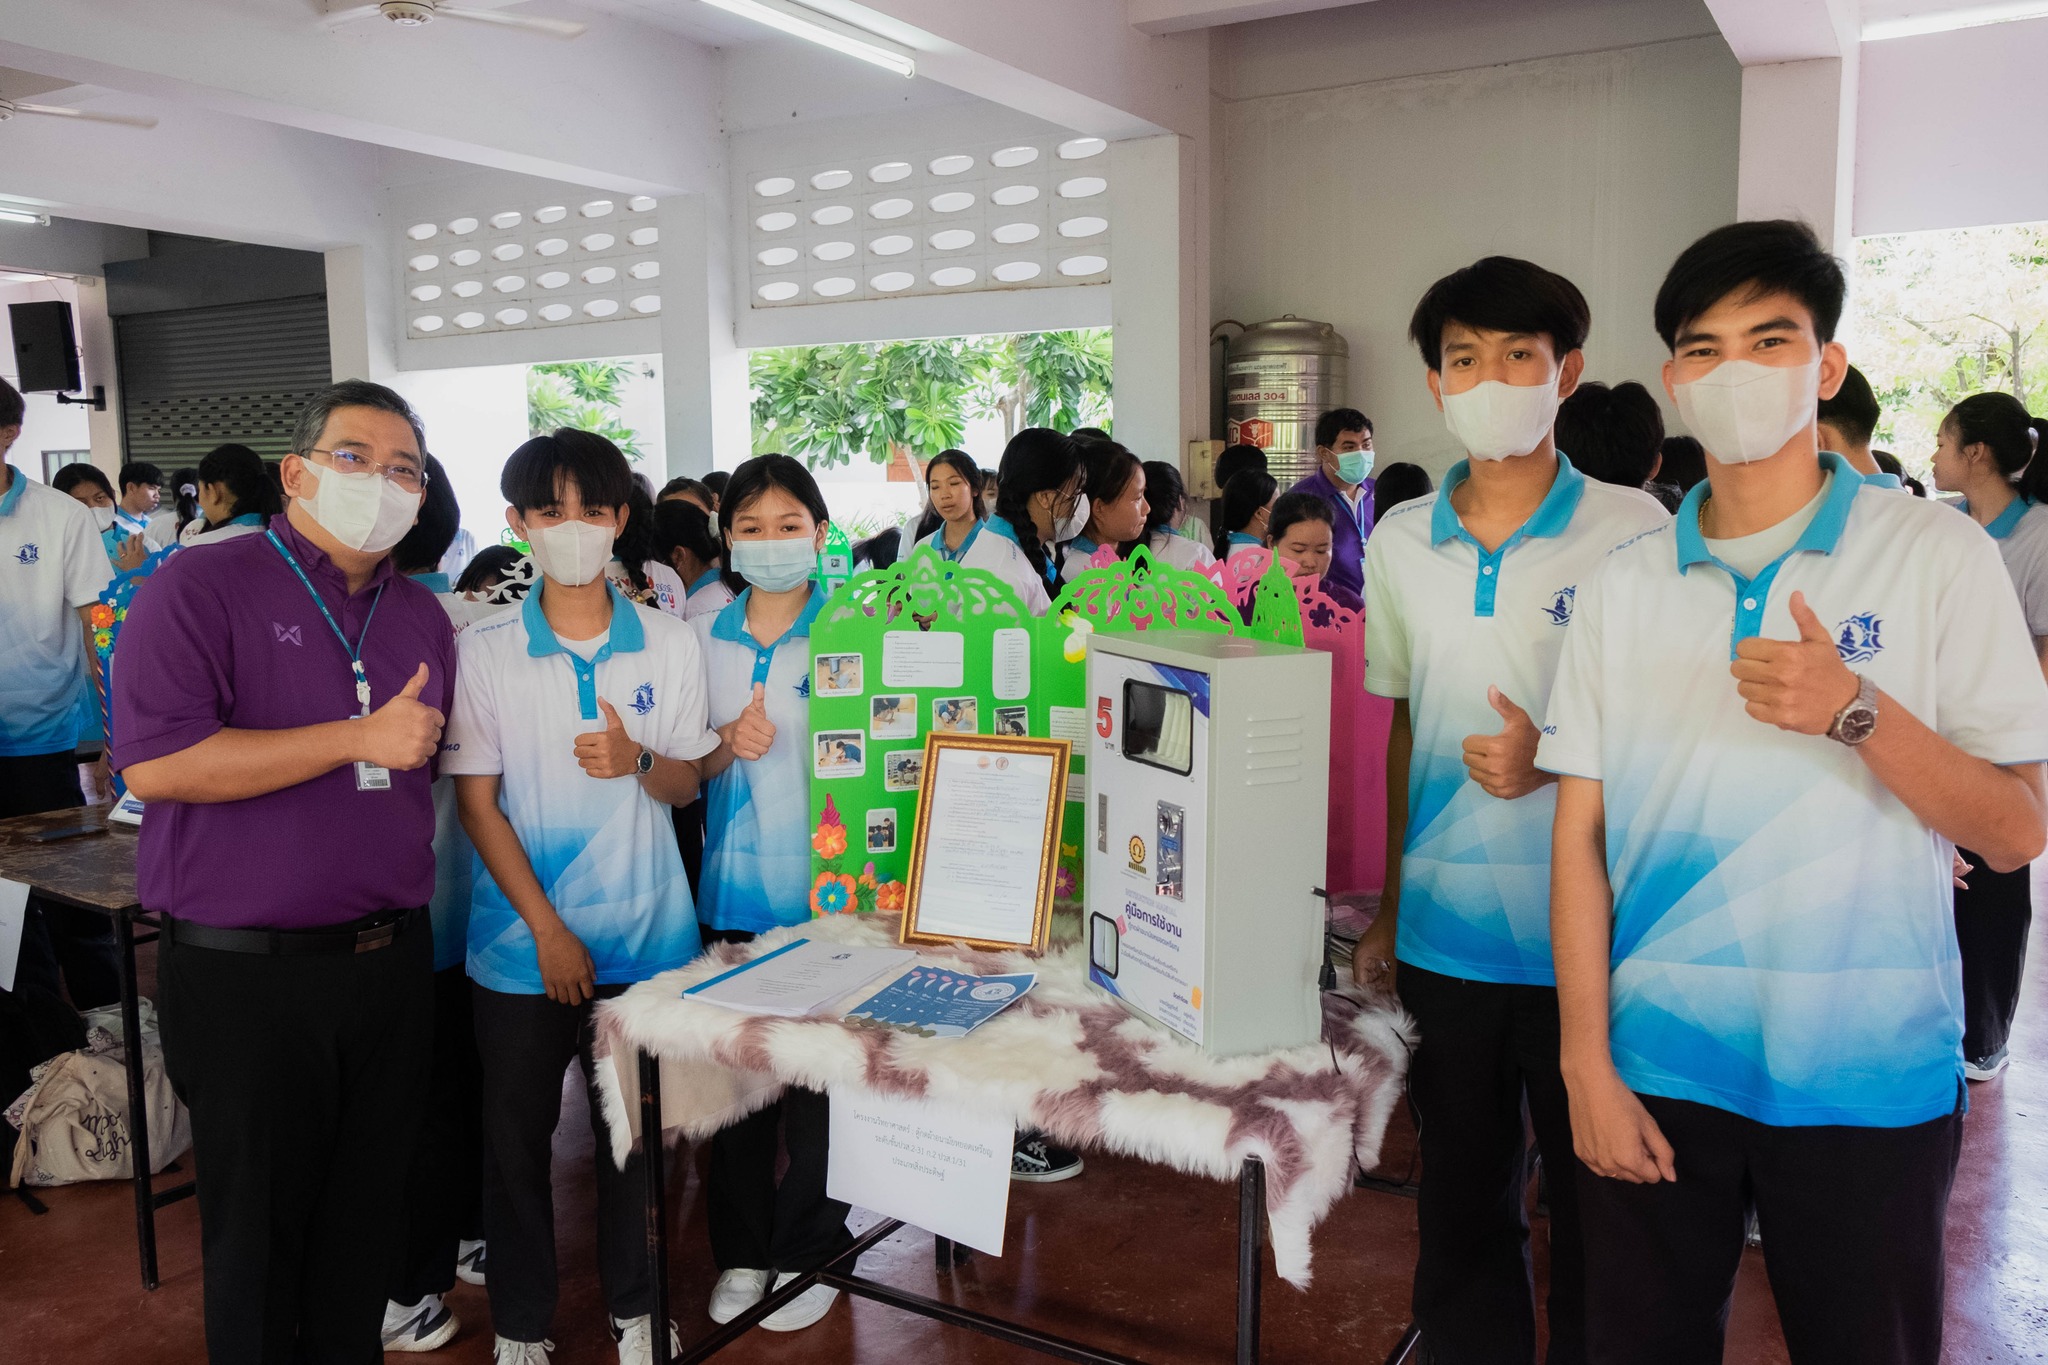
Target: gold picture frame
point(923, 922)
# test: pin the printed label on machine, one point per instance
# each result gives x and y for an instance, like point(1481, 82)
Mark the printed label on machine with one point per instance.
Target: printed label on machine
point(1148, 769)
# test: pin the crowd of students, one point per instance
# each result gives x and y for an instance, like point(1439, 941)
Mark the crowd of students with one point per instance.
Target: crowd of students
point(1688, 816)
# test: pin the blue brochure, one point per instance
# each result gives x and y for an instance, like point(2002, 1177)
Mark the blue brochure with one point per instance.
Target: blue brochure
point(941, 1004)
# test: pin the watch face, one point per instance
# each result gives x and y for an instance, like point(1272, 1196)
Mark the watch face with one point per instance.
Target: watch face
point(1857, 725)
point(646, 761)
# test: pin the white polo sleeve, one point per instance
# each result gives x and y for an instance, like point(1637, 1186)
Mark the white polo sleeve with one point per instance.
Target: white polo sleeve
point(86, 569)
point(2028, 569)
point(1570, 744)
point(1387, 653)
point(472, 742)
point(687, 732)
point(1990, 698)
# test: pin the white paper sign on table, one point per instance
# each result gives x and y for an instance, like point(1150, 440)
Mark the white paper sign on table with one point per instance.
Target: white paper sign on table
point(13, 915)
point(936, 1167)
point(919, 658)
point(1069, 723)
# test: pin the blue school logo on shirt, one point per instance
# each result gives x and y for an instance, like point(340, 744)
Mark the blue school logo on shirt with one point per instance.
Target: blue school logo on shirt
point(1560, 609)
point(27, 554)
point(1856, 639)
point(643, 698)
point(803, 687)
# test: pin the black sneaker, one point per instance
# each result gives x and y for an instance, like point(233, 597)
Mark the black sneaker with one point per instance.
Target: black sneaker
point(1041, 1162)
point(1985, 1068)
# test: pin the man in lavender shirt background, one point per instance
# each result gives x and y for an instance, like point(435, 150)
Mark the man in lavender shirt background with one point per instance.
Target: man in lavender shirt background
point(1344, 449)
point(277, 702)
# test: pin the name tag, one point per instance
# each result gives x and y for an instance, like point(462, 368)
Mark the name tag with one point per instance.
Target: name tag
point(371, 778)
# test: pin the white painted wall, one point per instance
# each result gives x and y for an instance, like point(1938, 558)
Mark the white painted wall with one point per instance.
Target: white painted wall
point(475, 417)
point(46, 423)
point(1344, 204)
point(1952, 130)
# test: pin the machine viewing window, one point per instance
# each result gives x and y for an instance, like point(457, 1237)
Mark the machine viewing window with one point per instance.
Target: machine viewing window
point(1159, 726)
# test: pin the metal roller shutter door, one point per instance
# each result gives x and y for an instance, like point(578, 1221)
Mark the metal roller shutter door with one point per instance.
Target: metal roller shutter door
point(193, 378)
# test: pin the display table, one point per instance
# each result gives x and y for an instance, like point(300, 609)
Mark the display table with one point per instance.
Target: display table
point(1067, 1060)
point(97, 873)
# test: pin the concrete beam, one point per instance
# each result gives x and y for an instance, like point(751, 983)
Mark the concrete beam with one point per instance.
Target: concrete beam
point(1178, 16)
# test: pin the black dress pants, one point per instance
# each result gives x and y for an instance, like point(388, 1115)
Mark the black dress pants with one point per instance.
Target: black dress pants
point(444, 1187)
point(1993, 915)
point(304, 1076)
point(62, 947)
point(1852, 1222)
point(526, 1042)
point(1486, 1049)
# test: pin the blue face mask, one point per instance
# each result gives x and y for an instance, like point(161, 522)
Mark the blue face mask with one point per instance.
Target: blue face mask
point(774, 565)
point(1354, 465)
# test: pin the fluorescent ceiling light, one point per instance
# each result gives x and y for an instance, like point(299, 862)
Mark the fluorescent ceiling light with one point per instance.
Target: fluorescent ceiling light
point(14, 277)
point(10, 214)
point(1944, 21)
point(808, 24)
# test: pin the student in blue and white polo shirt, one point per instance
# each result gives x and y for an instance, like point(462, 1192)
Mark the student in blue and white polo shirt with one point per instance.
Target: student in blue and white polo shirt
point(578, 721)
point(757, 876)
point(1985, 450)
point(963, 536)
point(1040, 502)
point(1467, 594)
point(1772, 721)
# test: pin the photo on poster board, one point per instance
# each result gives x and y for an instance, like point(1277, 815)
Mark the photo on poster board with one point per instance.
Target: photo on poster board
point(956, 715)
point(985, 849)
point(893, 715)
point(841, 753)
point(838, 675)
point(903, 770)
point(1013, 722)
point(881, 837)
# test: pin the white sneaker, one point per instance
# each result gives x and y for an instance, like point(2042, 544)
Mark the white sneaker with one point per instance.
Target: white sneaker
point(737, 1291)
point(424, 1326)
point(469, 1260)
point(803, 1310)
point(636, 1340)
point(505, 1351)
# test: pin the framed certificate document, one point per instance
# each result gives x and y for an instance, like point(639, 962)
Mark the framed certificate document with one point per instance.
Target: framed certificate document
point(984, 852)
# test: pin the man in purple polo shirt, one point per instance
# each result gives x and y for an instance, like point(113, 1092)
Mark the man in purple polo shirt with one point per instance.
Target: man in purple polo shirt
point(277, 701)
point(1344, 449)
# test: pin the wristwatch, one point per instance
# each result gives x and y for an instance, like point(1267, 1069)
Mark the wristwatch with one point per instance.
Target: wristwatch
point(645, 763)
point(1855, 722)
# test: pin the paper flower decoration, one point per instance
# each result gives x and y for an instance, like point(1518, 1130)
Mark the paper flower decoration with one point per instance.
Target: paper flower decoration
point(1079, 628)
point(889, 896)
point(829, 841)
point(102, 615)
point(1063, 883)
point(832, 894)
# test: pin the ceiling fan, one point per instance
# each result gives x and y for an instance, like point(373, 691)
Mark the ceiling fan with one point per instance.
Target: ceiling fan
point(9, 108)
point(414, 13)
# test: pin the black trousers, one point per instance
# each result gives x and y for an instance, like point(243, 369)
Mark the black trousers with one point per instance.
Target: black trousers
point(444, 1187)
point(759, 1222)
point(59, 943)
point(1852, 1224)
point(1993, 915)
point(526, 1042)
point(304, 1077)
point(1486, 1050)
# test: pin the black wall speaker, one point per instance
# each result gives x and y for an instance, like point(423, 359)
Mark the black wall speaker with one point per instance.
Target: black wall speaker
point(45, 347)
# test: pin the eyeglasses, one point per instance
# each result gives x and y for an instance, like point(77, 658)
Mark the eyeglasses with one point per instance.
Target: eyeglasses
point(410, 478)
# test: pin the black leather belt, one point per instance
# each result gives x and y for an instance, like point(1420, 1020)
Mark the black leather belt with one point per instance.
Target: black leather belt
point(365, 935)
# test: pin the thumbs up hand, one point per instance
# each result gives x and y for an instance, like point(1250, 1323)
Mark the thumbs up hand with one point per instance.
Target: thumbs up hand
point(404, 732)
point(1800, 684)
point(609, 752)
point(1504, 764)
point(751, 733)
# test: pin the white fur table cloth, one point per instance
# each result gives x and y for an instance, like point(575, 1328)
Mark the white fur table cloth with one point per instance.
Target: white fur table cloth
point(1067, 1059)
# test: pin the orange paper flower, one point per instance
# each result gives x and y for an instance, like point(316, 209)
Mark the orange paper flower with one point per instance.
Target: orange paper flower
point(832, 894)
point(890, 896)
point(829, 841)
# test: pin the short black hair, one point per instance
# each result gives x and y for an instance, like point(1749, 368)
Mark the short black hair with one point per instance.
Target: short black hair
point(1889, 463)
point(78, 472)
point(1853, 410)
point(1165, 491)
point(683, 486)
point(1247, 492)
point(1613, 435)
point(142, 472)
point(1769, 256)
point(1291, 509)
point(12, 408)
point(1235, 458)
point(1089, 434)
point(1399, 482)
point(421, 548)
point(533, 475)
point(241, 471)
point(681, 524)
point(494, 563)
point(716, 481)
point(1336, 422)
point(1685, 462)
point(1501, 294)
point(351, 393)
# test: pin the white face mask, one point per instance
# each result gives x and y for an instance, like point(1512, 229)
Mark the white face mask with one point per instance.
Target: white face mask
point(1495, 421)
point(775, 565)
point(572, 553)
point(1074, 522)
point(103, 517)
point(365, 512)
point(1743, 411)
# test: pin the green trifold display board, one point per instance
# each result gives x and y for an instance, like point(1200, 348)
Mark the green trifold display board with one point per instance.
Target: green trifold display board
point(929, 646)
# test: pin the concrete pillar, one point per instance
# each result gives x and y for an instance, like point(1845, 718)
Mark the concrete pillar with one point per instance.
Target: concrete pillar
point(704, 374)
point(1159, 296)
point(361, 320)
point(97, 362)
point(1798, 147)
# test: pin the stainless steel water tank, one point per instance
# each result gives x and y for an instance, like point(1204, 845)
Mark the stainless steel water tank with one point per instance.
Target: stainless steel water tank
point(1279, 376)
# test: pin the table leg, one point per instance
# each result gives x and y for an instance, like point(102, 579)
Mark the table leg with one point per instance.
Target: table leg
point(655, 1168)
point(138, 1108)
point(1251, 1229)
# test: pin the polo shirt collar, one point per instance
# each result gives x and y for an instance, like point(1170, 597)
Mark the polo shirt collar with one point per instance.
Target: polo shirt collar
point(1086, 546)
point(1001, 526)
point(627, 635)
point(12, 498)
point(1823, 533)
point(315, 562)
point(704, 580)
point(2001, 526)
point(1240, 538)
point(1550, 518)
point(731, 621)
point(432, 582)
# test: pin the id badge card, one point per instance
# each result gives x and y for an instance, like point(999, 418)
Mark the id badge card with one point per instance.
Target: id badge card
point(371, 778)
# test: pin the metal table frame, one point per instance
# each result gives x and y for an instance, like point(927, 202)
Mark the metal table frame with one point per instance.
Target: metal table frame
point(1251, 1221)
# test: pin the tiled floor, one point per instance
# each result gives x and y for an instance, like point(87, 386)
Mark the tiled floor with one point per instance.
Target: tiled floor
point(1134, 1258)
